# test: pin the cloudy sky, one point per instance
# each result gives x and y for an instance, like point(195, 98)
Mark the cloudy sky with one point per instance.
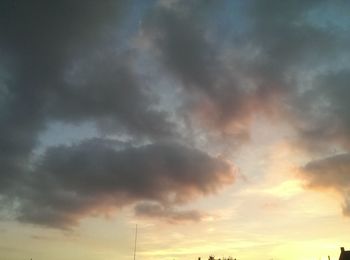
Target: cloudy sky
point(219, 127)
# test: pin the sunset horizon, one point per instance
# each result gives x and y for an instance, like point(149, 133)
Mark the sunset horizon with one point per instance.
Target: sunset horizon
point(211, 128)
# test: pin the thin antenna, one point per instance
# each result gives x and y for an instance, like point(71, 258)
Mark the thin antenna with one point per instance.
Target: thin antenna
point(135, 242)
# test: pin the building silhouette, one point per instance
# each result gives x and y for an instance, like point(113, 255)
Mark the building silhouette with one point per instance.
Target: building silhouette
point(344, 255)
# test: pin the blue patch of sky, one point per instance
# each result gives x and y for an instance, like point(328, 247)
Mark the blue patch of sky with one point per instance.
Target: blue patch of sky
point(129, 26)
point(6, 66)
point(333, 18)
point(58, 133)
point(331, 15)
point(229, 22)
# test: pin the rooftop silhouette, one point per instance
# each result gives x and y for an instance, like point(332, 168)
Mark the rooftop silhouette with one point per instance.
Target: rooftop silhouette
point(344, 255)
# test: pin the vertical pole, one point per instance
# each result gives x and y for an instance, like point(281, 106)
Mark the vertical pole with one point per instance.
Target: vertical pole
point(135, 242)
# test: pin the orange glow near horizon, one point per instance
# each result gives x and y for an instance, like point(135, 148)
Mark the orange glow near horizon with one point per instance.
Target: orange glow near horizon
point(218, 128)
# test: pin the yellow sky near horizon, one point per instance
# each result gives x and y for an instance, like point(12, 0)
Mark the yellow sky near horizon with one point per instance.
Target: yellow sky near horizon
point(267, 214)
point(216, 127)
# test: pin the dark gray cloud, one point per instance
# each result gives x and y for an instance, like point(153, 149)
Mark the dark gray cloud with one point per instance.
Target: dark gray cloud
point(332, 173)
point(110, 94)
point(69, 63)
point(319, 115)
point(285, 63)
point(76, 62)
point(182, 42)
point(301, 58)
point(229, 78)
point(71, 182)
point(65, 66)
point(332, 110)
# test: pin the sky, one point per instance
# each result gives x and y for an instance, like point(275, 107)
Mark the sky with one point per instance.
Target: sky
point(218, 127)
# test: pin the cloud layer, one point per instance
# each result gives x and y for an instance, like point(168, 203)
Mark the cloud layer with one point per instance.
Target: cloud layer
point(331, 173)
point(97, 176)
point(227, 62)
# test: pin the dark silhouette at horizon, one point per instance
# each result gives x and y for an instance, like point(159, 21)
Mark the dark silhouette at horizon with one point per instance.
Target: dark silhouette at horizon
point(344, 255)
